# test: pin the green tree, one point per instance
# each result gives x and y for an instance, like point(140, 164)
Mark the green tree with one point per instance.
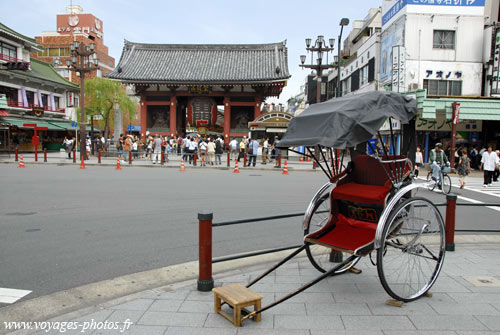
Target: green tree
point(101, 94)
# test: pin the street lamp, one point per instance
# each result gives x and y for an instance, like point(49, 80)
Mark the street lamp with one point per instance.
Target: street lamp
point(83, 60)
point(319, 47)
point(343, 22)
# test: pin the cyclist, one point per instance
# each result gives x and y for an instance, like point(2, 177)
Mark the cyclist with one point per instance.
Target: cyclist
point(437, 159)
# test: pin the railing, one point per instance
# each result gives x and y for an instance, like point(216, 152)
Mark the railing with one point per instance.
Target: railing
point(11, 59)
point(205, 281)
point(20, 104)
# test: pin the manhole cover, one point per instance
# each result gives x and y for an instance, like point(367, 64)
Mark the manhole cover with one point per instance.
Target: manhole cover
point(20, 213)
point(483, 281)
point(32, 230)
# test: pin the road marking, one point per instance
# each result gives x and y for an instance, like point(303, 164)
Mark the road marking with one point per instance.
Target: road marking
point(477, 202)
point(11, 295)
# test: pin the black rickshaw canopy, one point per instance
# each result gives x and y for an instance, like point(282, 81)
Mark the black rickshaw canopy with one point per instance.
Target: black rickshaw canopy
point(347, 121)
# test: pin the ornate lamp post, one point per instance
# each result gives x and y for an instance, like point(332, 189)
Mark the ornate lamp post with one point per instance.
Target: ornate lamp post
point(343, 22)
point(319, 47)
point(83, 60)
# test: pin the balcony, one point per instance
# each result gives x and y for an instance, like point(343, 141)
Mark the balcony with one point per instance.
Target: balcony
point(10, 59)
point(19, 104)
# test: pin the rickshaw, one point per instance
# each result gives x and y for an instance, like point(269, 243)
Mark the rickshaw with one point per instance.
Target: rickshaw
point(367, 207)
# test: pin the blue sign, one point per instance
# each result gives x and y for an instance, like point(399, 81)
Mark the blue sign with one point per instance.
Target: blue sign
point(301, 149)
point(373, 145)
point(74, 124)
point(132, 127)
point(400, 4)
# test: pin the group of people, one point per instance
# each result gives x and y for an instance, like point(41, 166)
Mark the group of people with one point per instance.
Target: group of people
point(250, 147)
point(489, 162)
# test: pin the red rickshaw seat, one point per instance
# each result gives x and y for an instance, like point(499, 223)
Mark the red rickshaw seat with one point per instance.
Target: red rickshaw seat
point(361, 193)
point(347, 235)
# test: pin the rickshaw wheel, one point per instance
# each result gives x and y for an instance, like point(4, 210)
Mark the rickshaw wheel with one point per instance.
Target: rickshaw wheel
point(412, 253)
point(318, 255)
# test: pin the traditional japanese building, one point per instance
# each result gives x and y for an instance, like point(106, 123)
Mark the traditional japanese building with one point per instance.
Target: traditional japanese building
point(181, 85)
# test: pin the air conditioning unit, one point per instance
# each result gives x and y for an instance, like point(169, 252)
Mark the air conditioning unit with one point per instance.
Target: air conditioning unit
point(413, 87)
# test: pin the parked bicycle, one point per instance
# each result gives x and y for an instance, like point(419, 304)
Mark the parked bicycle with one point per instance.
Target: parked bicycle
point(443, 182)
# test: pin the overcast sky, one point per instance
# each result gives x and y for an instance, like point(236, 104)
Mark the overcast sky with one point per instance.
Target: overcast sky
point(200, 21)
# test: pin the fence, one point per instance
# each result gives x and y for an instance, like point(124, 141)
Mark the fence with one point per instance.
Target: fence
point(205, 280)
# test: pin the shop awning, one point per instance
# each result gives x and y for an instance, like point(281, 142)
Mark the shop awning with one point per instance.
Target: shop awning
point(62, 125)
point(20, 123)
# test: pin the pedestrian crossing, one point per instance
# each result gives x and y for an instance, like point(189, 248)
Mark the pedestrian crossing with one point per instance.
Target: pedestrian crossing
point(476, 184)
point(10, 295)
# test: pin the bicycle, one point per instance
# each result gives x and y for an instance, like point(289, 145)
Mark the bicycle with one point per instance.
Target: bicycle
point(445, 185)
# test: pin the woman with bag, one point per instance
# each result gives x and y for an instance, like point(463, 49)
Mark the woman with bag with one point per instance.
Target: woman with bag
point(463, 168)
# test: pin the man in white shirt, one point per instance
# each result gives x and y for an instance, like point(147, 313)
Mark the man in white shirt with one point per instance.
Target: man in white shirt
point(234, 148)
point(489, 162)
point(265, 150)
point(193, 147)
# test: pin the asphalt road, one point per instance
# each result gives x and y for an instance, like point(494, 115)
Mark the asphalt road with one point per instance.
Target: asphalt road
point(61, 227)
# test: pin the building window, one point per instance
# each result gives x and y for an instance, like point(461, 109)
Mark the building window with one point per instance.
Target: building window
point(443, 87)
point(53, 52)
point(56, 103)
point(62, 72)
point(347, 85)
point(8, 51)
point(64, 52)
point(364, 75)
point(444, 39)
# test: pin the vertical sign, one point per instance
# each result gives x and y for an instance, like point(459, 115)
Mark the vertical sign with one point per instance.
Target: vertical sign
point(398, 68)
point(456, 112)
point(495, 80)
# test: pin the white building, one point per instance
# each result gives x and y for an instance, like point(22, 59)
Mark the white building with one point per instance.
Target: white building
point(433, 45)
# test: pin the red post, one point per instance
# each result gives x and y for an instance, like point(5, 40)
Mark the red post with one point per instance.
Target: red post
point(451, 206)
point(228, 159)
point(36, 153)
point(162, 158)
point(244, 159)
point(205, 280)
point(279, 160)
point(74, 156)
point(45, 155)
point(314, 164)
point(194, 158)
point(99, 156)
point(17, 153)
point(129, 157)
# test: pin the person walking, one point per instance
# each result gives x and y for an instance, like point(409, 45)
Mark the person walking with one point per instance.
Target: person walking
point(419, 161)
point(211, 151)
point(119, 147)
point(463, 168)
point(193, 147)
point(265, 150)
point(157, 148)
point(218, 150)
point(496, 174)
point(203, 152)
point(253, 149)
point(127, 146)
point(489, 162)
point(277, 152)
point(234, 148)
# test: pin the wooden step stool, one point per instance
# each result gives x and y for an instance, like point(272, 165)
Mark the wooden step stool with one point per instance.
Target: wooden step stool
point(238, 297)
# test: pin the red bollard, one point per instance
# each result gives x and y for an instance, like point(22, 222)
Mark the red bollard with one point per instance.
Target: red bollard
point(129, 157)
point(99, 156)
point(17, 152)
point(45, 155)
point(74, 156)
point(451, 206)
point(314, 164)
point(244, 159)
point(279, 160)
point(162, 158)
point(194, 158)
point(228, 159)
point(205, 280)
point(36, 153)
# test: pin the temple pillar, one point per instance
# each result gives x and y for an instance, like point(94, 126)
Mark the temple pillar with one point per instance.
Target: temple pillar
point(227, 120)
point(173, 116)
point(258, 102)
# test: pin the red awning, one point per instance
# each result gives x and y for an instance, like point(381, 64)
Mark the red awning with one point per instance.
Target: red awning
point(4, 113)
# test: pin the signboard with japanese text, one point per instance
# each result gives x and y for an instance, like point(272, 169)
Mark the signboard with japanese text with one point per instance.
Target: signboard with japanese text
point(441, 123)
point(398, 5)
point(398, 68)
point(393, 36)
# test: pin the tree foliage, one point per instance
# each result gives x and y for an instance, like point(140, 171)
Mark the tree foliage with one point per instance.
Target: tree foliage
point(101, 94)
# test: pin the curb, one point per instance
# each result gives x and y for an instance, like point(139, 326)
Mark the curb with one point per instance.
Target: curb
point(83, 300)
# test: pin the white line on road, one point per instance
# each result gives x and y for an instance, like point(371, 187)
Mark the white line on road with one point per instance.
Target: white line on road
point(477, 202)
point(10, 295)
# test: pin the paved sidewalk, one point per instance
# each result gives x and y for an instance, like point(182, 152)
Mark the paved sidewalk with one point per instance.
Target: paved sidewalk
point(347, 304)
